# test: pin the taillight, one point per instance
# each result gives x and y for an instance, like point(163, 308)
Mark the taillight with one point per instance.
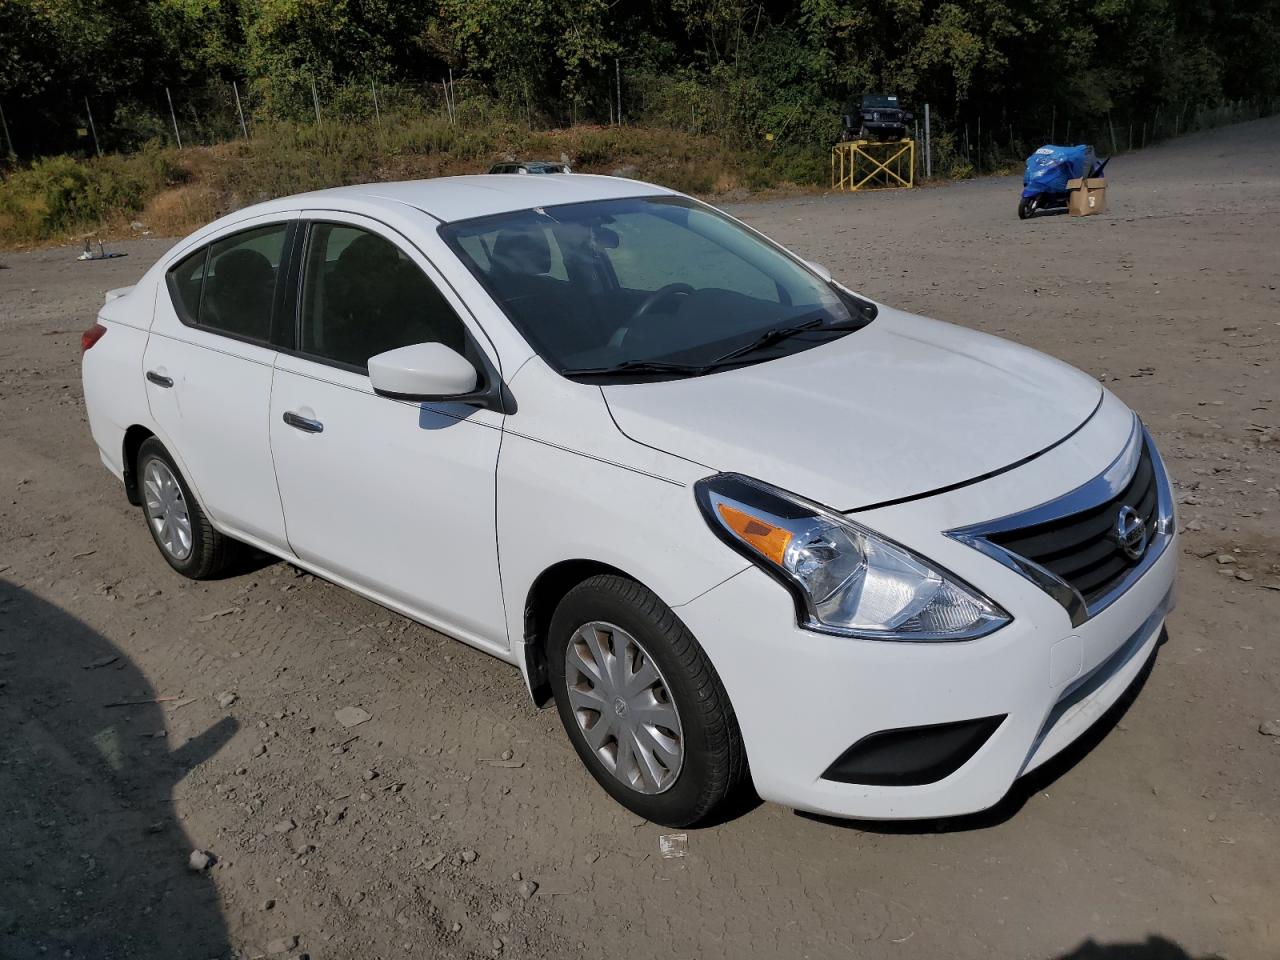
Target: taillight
point(91, 336)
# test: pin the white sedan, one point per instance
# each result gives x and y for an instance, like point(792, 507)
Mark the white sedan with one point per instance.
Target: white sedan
point(738, 521)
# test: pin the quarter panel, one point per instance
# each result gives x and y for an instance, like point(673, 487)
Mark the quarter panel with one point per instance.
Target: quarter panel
point(111, 372)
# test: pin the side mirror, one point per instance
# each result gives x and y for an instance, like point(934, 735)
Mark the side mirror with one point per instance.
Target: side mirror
point(422, 371)
point(820, 270)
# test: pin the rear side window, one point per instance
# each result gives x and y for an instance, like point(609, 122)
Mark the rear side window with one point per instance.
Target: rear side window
point(362, 296)
point(230, 286)
point(240, 282)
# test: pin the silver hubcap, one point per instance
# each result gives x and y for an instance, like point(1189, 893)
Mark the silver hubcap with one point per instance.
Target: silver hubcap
point(623, 707)
point(166, 509)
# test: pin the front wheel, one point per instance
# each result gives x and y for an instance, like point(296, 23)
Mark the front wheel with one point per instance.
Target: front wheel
point(1026, 207)
point(642, 704)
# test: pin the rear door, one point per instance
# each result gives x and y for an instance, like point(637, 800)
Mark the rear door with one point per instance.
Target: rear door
point(396, 497)
point(209, 364)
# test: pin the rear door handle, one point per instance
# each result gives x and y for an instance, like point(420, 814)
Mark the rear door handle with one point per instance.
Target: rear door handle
point(159, 379)
point(303, 423)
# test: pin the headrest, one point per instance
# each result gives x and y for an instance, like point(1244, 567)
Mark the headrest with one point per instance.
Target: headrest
point(524, 251)
point(243, 268)
point(367, 253)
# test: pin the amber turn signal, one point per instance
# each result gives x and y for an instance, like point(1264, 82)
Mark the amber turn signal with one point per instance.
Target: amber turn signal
point(767, 538)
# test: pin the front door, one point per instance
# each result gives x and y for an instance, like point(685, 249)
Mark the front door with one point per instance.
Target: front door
point(397, 498)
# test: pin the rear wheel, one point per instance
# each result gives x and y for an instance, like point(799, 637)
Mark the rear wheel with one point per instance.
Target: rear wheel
point(1026, 207)
point(642, 704)
point(177, 523)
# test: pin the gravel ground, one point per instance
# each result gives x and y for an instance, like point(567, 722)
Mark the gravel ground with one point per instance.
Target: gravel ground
point(456, 821)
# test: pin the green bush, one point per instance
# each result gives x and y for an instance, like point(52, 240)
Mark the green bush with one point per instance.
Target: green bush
point(59, 195)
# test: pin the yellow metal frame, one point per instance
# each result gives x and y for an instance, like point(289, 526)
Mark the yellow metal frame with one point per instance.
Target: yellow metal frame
point(873, 165)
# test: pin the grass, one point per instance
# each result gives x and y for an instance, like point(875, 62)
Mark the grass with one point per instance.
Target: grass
point(170, 191)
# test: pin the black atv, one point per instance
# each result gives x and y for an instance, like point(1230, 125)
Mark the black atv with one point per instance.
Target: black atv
point(878, 116)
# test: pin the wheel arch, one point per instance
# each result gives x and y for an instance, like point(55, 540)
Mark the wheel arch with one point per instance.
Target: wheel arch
point(134, 438)
point(545, 594)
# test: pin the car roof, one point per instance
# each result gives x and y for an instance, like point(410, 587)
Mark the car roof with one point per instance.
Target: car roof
point(462, 198)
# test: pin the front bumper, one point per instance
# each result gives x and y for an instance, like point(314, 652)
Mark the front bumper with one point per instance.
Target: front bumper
point(803, 698)
point(884, 126)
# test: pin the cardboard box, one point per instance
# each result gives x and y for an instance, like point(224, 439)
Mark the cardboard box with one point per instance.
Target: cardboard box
point(1086, 197)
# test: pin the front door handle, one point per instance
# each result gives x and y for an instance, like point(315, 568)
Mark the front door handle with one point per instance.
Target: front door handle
point(303, 423)
point(159, 379)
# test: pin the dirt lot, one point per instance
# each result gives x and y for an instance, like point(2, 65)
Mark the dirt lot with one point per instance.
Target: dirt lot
point(398, 838)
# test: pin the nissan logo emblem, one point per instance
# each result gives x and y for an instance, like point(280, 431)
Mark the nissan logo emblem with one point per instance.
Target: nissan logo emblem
point(1131, 532)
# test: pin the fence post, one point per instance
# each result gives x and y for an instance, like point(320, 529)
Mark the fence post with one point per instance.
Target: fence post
point(240, 110)
point(92, 129)
point(979, 144)
point(174, 117)
point(4, 125)
point(377, 113)
point(928, 146)
point(617, 71)
point(315, 100)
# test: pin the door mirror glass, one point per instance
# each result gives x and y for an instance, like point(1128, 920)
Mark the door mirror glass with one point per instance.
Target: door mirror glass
point(422, 371)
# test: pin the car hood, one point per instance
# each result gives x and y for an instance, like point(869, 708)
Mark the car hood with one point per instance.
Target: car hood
point(901, 408)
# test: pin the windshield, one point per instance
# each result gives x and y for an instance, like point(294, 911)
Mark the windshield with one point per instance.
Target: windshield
point(879, 102)
point(649, 287)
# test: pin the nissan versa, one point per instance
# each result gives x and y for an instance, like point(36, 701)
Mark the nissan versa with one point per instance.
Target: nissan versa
point(739, 521)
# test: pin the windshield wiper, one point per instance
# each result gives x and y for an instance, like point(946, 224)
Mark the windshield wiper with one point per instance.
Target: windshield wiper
point(640, 366)
point(766, 339)
point(775, 335)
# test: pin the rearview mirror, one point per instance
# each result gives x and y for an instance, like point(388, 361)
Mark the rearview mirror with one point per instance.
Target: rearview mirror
point(422, 371)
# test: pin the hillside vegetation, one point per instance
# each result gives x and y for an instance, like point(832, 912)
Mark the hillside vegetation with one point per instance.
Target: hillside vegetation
point(171, 191)
point(272, 96)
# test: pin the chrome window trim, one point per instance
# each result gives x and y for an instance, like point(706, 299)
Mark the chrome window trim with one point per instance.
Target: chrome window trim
point(1095, 492)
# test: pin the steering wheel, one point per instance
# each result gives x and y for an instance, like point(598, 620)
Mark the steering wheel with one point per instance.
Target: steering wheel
point(663, 293)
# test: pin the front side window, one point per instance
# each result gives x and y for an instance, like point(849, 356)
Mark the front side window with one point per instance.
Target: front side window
point(649, 287)
point(362, 296)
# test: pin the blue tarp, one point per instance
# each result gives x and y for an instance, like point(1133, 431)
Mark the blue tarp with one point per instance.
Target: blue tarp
point(1050, 167)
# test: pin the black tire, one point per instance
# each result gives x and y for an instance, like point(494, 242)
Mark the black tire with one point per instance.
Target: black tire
point(1026, 207)
point(714, 763)
point(211, 552)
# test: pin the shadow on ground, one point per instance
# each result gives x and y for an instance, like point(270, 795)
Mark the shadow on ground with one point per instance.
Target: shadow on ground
point(93, 863)
point(1153, 948)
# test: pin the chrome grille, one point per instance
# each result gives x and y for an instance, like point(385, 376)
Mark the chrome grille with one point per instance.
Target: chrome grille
point(1082, 548)
point(1070, 547)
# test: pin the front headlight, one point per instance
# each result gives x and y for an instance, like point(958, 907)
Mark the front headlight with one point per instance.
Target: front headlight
point(845, 579)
